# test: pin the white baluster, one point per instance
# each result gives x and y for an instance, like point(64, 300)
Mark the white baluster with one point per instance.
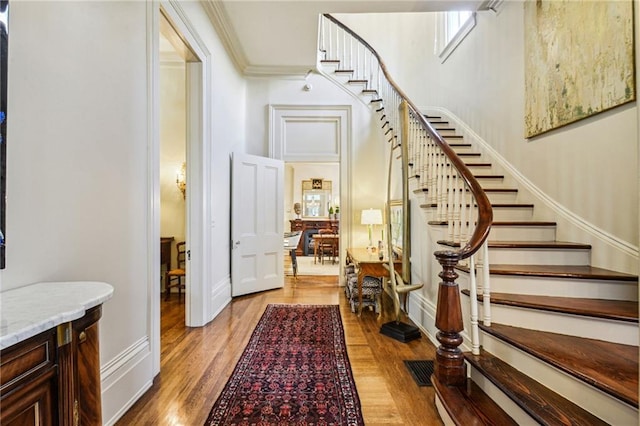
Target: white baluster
point(473, 301)
point(486, 285)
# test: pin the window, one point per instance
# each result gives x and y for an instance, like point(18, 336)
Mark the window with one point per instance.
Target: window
point(451, 29)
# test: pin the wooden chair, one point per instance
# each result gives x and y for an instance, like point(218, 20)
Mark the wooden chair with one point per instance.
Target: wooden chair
point(327, 246)
point(176, 277)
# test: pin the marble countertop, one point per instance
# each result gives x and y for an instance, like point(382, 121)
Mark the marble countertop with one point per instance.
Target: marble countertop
point(30, 310)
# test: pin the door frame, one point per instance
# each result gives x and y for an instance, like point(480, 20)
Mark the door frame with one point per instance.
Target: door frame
point(280, 115)
point(198, 203)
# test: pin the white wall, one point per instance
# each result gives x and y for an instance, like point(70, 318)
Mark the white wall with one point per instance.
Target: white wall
point(78, 166)
point(77, 163)
point(77, 159)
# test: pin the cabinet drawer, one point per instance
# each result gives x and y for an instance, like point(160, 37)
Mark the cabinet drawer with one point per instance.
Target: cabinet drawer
point(28, 358)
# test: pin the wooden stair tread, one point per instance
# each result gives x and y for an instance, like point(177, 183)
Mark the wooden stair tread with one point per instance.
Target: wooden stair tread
point(620, 310)
point(469, 405)
point(494, 205)
point(523, 223)
point(540, 402)
point(487, 190)
point(560, 245)
point(528, 223)
point(562, 271)
point(610, 367)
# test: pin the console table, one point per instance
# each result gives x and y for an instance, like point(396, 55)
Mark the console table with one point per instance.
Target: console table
point(368, 263)
point(49, 353)
point(311, 226)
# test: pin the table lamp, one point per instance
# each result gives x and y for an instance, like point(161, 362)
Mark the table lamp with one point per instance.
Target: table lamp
point(371, 217)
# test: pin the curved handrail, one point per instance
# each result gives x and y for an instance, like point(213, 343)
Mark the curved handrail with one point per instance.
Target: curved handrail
point(485, 212)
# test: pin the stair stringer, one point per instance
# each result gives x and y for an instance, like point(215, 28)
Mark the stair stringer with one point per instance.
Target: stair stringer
point(608, 251)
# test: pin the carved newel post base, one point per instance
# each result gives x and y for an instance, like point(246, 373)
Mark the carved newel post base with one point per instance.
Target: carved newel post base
point(450, 368)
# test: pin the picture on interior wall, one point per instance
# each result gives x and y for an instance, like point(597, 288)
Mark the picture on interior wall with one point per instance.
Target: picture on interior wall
point(579, 60)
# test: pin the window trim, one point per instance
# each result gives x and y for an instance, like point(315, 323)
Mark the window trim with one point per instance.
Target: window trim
point(445, 51)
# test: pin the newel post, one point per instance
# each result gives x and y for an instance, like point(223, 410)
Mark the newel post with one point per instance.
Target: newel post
point(450, 368)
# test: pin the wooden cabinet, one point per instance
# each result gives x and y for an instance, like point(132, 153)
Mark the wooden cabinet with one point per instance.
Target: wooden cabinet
point(28, 382)
point(54, 377)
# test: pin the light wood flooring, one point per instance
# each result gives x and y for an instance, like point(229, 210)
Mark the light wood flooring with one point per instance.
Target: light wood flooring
point(196, 362)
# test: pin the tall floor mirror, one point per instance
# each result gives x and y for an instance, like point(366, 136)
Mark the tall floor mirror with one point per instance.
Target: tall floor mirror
point(4, 49)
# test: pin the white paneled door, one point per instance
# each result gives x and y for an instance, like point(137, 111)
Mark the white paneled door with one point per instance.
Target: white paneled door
point(257, 234)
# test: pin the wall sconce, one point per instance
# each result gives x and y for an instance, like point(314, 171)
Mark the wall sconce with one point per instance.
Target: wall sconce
point(181, 180)
point(371, 217)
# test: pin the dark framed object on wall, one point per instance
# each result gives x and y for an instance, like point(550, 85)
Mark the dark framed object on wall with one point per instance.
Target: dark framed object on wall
point(4, 49)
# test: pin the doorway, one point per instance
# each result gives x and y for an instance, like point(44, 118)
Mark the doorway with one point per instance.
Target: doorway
point(312, 202)
point(169, 20)
point(174, 54)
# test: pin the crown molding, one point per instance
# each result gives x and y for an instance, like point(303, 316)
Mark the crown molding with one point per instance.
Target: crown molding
point(285, 72)
point(218, 17)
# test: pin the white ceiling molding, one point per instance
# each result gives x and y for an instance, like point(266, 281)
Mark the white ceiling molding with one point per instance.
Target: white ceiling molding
point(284, 72)
point(221, 23)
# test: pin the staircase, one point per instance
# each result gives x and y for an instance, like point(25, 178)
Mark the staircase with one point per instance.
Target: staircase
point(558, 340)
point(561, 346)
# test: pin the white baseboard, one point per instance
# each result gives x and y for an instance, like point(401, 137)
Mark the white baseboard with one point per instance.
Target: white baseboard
point(125, 379)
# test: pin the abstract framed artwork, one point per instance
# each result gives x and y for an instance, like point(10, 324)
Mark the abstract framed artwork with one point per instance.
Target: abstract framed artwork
point(579, 60)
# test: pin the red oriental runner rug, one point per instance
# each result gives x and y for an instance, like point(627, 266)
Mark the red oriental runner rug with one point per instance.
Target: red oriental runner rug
point(294, 371)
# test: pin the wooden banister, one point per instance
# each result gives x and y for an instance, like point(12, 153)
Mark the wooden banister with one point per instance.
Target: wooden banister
point(449, 364)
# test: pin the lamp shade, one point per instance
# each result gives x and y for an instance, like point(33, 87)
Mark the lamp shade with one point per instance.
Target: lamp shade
point(371, 217)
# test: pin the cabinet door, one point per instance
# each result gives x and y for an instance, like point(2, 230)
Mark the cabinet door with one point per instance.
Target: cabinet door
point(28, 382)
point(31, 404)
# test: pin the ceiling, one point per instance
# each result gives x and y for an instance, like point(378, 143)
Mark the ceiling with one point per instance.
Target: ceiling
point(267, 37)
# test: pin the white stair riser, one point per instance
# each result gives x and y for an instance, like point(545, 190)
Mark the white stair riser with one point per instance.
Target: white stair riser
point(511, 408)
point(494, 197)
point(506, 213)
point(541, 256)
point(490, 182)
point(622, 332)
point(461, 149)
point(598, 403)
point(512, 213)
point(444, 132)
point(522, 233)
point(559, 287)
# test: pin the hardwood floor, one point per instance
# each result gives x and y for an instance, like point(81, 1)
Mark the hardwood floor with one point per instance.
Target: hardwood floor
point(196, 362)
